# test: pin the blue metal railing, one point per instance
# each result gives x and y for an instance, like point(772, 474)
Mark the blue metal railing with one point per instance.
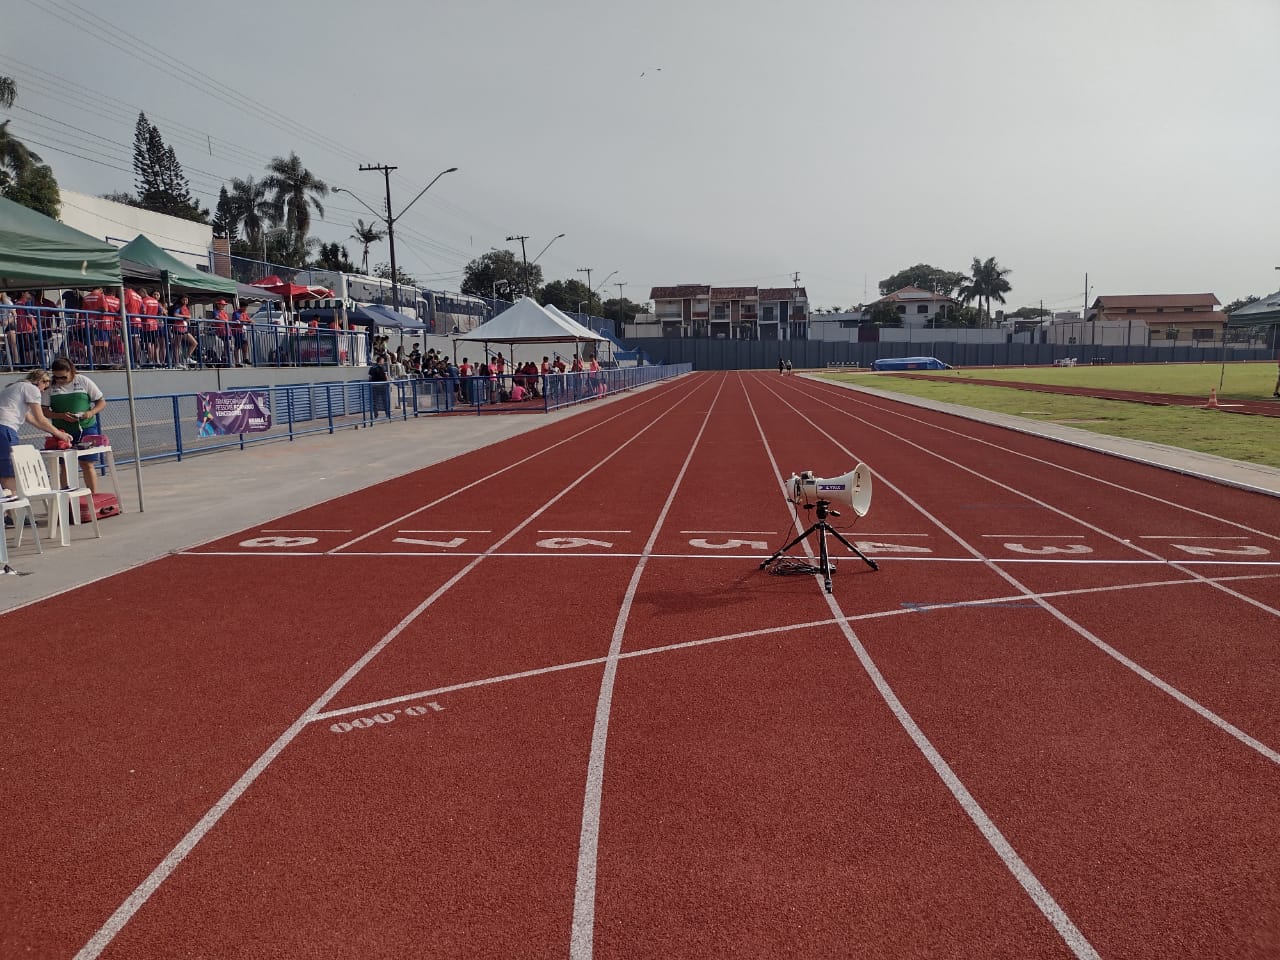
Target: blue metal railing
point(168, 425)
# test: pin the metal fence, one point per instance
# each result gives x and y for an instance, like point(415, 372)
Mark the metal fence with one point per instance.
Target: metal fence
point(706, 354)
point(168, 424)
point(34, 336)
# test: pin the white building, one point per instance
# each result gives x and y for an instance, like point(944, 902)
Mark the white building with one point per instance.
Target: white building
point(120, 223)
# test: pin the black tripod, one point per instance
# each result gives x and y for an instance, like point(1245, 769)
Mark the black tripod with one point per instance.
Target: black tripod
point(822, 528)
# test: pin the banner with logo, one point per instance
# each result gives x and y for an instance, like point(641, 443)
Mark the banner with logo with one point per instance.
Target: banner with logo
point(233, 412)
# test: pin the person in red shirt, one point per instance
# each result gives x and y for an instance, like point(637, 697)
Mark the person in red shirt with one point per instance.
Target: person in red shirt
point(182, 344)
point(133, 308)
point(222, 330)
point(151, 314)
point(241, 324)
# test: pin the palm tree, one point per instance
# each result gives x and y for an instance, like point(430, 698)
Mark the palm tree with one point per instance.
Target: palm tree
point(366, 234)
point(987, 283)
point(249, 208)
point(296, 191)
point(16, 161)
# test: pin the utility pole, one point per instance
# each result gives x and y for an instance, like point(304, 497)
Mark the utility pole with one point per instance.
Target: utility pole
point(587, 271)
point(391, 232)
point(621, 317)
point(525, 258)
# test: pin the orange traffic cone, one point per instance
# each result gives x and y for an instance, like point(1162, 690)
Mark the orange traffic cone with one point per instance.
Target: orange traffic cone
point(1213, 399)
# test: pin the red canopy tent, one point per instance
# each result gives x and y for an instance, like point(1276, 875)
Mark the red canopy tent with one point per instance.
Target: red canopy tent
point(290, 291)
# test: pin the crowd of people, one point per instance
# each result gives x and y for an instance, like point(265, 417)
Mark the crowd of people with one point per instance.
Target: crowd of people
point(87, 328)
point(491, 379)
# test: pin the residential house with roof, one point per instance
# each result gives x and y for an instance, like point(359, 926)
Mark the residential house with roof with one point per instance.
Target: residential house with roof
point(920, 308)
point(1170, 317)
point(726, 313)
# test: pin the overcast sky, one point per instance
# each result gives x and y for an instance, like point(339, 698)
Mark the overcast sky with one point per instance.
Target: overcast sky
point(681, 141)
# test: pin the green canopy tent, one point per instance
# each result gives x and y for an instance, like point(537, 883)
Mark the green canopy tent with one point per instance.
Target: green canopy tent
point(180, 277)
point(1262, 312)
point(38, 252)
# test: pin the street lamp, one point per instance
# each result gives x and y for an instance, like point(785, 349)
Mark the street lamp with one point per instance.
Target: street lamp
point(581, 303)
point(390, 220)
point(524, 256)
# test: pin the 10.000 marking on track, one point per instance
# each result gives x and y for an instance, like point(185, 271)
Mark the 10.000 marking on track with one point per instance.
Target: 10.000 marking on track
point(364, 723)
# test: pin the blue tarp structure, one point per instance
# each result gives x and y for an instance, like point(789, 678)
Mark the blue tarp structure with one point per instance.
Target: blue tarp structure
point(909, 363)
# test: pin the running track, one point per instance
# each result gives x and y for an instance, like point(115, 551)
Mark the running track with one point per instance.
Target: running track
point(538, 701)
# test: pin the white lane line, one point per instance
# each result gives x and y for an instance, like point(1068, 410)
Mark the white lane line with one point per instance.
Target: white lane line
point(582, 937)
point(1198, 708)
point(142, 893)
point(1174, 536)
point(844, 396)
point(1030, 883)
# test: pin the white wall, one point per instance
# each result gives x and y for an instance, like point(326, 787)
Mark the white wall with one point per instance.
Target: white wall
point(120, 223)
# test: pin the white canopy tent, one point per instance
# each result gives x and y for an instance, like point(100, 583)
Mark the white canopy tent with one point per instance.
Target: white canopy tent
point(527, 322)
point(578, 325)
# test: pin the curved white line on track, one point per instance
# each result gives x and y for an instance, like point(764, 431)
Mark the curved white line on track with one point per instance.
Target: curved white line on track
point(102, 938)
point(913, 610)
point(582, 936)
point(1030, 883)
point(998, 568)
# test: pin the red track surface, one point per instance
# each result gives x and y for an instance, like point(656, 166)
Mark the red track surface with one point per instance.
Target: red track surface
point(1046, 726)
point(1263, 408)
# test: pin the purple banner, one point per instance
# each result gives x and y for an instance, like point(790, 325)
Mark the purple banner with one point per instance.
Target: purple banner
point(233, 411)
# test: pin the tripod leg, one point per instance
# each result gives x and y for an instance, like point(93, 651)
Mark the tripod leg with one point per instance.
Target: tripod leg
point(824, 559)
point(788, 546)
point(871, 563)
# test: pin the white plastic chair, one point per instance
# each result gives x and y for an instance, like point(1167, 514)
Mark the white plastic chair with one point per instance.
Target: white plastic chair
point(33, 484)
point(20, 507)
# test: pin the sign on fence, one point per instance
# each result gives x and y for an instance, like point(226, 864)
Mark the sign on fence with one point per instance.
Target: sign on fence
point(234, 411)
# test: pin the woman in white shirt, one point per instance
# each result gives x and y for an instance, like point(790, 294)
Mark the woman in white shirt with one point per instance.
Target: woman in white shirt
point(20, 403)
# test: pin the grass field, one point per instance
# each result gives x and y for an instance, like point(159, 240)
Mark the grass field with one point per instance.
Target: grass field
point(1251, 439)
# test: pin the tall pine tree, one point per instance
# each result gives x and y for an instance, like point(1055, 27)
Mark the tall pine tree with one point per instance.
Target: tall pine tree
point(161, 184)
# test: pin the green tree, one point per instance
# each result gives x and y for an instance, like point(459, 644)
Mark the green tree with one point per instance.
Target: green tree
point(1028, 313)
point(621, 310)
point(159, 180)
point(498, 267)
point(335, 257)
point(942, 282)
point(251, 209)
point(366, 234)
point(1235, 305)
point(986, 283)
point(884, 313)
point(567, 294)
point(224, 216)
point(38, 190)
point(121, 196)
point(24, 178)
point(296, 191)
point(383, 270)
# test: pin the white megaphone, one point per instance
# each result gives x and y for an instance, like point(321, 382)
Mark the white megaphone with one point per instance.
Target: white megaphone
point(852, 490)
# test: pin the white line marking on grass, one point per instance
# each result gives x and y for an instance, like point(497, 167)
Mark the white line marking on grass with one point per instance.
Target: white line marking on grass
point(134, 902)
point(582, 938)
point(1029, 882)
